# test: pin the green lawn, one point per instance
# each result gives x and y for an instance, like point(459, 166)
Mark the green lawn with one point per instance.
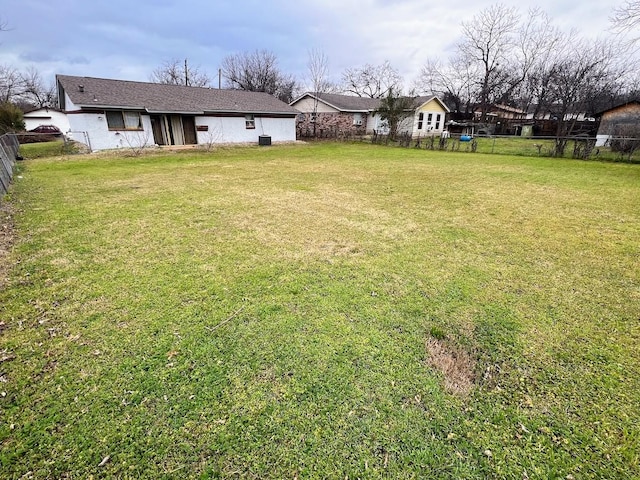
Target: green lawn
point(42, 149)
point(322, 311)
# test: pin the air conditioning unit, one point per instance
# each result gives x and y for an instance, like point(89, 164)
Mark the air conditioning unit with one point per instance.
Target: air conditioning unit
point(357, 122)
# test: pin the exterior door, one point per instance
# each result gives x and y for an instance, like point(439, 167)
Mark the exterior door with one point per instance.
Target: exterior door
point(189, 125)
point(158, 132)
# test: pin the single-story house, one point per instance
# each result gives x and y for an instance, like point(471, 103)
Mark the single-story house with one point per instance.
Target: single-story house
point(622, 120)
point(46, 116)
point(109, 114)
point(326, 114)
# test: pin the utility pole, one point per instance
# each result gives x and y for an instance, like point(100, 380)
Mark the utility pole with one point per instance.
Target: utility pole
point(186, 73)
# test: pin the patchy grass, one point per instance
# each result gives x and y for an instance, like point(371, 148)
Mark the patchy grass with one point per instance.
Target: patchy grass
point(456, 365)
point(307, 311)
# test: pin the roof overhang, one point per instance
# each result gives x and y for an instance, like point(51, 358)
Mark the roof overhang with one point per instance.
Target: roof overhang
point(326, 102)
point(151, 111)
point(437, 99)
point(110, 107)
point(173, 112)
point(248, 112)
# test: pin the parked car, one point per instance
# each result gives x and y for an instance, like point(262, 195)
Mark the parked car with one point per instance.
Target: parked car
point(48, 129)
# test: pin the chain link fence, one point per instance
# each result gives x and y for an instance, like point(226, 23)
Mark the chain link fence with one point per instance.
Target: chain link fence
point(8, 154)
point(625, 149)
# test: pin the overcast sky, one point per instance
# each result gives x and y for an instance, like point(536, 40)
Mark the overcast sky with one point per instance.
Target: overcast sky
point(128, 39)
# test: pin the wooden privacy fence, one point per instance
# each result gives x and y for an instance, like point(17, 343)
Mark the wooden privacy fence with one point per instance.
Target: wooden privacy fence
point(8, 152)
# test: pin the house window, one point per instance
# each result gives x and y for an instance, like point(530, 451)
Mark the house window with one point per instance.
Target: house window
point(120, 120)
point(429, 119)
point(420, 120)
point(438, 122)
point(314, 117)
point(250, 121)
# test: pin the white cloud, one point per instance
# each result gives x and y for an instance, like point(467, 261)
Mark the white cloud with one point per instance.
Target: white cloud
point(129, 39)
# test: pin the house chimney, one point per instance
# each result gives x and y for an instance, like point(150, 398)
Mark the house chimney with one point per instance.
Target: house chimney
point(81, 88)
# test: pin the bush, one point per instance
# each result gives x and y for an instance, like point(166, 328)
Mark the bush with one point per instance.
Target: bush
point(11, 118)
point(36, 138)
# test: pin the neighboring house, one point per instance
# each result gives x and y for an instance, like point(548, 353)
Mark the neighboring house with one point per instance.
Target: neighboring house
point(110, 114)
point(429, 117)
point(46, 116)
point(621, 120)
point(331, 114)
point(506, 112)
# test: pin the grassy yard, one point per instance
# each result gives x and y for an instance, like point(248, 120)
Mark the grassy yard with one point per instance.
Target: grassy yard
point(322, 311)
point(32, 151)
point(42, 149)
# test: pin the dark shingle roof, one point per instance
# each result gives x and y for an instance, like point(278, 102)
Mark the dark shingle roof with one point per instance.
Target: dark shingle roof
point(351, 103)
point(347, 103)
point(92, 92)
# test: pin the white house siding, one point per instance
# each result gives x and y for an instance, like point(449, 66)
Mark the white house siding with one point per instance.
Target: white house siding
point(42, 116)
point(405, 125)
point(234, 130)
point(92, 128)
point(434, 127)
point(374, 122)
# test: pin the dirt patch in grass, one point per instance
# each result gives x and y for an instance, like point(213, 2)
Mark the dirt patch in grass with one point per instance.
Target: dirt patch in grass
point(455, 364)
point(7, 237)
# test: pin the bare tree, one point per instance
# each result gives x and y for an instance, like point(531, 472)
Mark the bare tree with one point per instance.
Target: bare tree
point(11, 83)
point(213, 136)
point(488, 42)
point(258, 71)
point(287, 89)
point(318, 65)
point(35, 92)
point(373, 81)
point(579, 73)
point(452, 81)
point(535, 42)
point(175, 72)
point(627, 18)
point(136, 141)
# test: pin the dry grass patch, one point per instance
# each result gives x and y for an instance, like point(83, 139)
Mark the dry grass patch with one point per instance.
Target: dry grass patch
point(455, 364)
point(319, 222)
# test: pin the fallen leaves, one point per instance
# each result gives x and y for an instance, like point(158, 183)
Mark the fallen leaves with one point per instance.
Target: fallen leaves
point(172, 354)
point(6, 356)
